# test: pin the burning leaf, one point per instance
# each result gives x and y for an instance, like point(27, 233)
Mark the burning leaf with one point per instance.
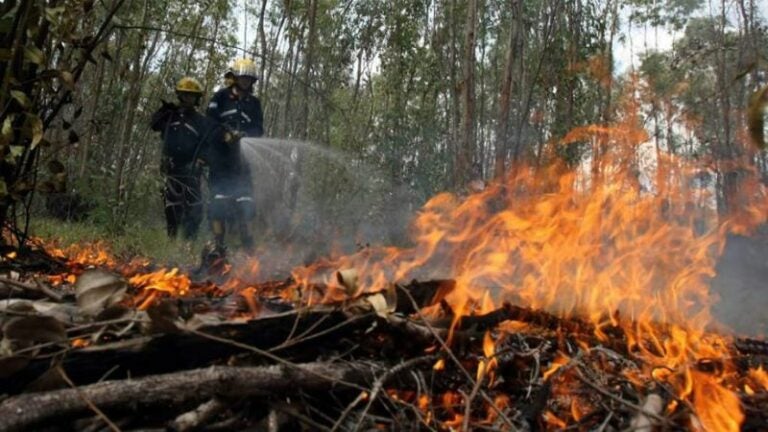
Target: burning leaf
point(375, 302)
point(97, 290)
point(348, 279)
point(379, 304)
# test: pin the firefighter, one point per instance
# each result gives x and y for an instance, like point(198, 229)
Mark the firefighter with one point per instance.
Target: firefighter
point(239, 111)
point(185, 133)
point(235, 106)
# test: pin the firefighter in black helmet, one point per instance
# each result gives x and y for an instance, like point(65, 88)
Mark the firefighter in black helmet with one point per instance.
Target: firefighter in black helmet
point(185, 133)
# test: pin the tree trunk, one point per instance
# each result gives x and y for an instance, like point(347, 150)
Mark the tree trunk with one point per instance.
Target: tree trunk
point(505, 96)
point(308, 59)
point(90, 120)
point(467, 143)
point(263, 46)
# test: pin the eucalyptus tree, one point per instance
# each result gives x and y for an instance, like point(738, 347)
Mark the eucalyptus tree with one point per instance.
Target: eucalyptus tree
point(46, 47)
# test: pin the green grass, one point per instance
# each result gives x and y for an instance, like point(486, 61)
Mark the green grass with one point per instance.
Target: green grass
point(133, 240)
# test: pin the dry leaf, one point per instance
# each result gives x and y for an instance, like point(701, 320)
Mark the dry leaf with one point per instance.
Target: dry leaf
point(36, 127)
point(28, 331)
point(33, 54)
point(34, 329)
point(199, 321)
point(164, 316)
point(21, 98)
point(97, 290)
point(379, 304)
point(348, 279)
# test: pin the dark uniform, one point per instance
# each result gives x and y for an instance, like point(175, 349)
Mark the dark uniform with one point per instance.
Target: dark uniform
point(229, 176)
point(238, 112)
point(186, 134)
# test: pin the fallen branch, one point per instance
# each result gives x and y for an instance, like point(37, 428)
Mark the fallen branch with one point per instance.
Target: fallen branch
point(24, 411)
point(10, 288)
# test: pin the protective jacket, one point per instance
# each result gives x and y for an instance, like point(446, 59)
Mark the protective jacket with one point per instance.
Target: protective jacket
point(238, 112)
point(186, 135)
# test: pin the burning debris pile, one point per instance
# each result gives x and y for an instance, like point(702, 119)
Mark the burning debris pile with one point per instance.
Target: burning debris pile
point(569, 300)
point(101, 346)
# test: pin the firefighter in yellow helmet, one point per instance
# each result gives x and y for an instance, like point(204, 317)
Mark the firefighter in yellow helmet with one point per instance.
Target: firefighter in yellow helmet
point(239, 111)
point(185, 133)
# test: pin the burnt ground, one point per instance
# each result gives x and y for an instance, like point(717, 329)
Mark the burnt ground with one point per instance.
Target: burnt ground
point(742, 285)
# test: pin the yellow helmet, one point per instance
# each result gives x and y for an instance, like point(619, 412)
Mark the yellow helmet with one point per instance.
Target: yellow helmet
point(189, 85)
point(244, 67)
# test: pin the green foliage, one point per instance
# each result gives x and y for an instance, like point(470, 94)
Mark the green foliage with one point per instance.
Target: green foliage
point(674, 13)
point(137, 240)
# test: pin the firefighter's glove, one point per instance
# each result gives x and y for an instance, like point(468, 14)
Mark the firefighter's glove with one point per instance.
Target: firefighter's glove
point(232, 137)
point(168, 106)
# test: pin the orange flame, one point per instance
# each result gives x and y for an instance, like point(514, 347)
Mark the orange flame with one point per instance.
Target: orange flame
point(759, 377)
point(487, 365)
point(718, 408)
point(628, 244)
point(557, 363)
point(627, 240)
point(165, 281)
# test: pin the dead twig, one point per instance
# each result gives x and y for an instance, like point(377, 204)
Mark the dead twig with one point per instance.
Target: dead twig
point(378, 385)
point(458, 363)
point(471, 397)
point(199, 416)
point(622, 401)
point(87, 401)
point(287, 410)
point(53, 295)
point(302, 338)
point(30, 291)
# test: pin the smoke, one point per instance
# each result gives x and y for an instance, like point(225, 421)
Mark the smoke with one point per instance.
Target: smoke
point(741, 283)
point(314, 202)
